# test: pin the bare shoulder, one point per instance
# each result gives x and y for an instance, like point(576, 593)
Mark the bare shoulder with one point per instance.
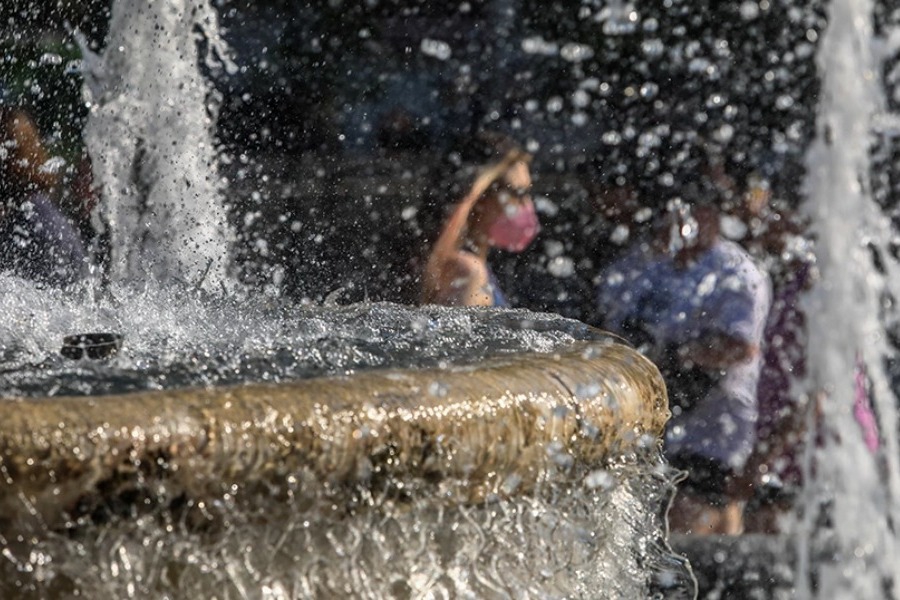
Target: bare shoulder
point(465, 262)
point(464, 281)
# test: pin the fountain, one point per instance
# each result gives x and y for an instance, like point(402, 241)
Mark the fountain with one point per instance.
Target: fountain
point(524, 474)
point(239, 446)
point(236, 446)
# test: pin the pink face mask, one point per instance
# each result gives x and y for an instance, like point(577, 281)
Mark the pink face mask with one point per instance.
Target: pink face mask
point(515, 229)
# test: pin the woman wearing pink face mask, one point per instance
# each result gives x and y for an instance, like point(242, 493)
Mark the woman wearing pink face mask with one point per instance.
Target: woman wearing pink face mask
point(497, 212)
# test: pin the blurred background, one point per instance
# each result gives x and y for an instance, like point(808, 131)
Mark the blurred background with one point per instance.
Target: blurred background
point(338, 123)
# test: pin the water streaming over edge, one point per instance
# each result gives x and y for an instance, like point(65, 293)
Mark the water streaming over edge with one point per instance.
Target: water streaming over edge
point(149, 135)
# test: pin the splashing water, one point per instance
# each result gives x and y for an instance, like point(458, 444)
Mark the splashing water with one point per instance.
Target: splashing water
point(591, 532)
point(149, 134)
point(177, 338)
point(852, 489)
point(558, 543)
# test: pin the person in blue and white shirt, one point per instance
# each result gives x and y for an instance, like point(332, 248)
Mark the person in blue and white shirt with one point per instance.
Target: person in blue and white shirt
point(696, 304)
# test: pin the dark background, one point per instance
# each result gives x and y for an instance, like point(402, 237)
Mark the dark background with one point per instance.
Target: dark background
point(343, 116)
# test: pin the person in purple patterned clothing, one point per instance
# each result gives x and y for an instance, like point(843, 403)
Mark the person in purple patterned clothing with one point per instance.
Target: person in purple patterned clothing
point(37, 241)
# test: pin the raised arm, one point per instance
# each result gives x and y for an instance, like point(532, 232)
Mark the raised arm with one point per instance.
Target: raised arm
point(447, 270)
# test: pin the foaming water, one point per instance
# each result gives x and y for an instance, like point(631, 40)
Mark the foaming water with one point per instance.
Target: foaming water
point(149, 133)
point(179, 337)
point(585, 541)
point(851, 502)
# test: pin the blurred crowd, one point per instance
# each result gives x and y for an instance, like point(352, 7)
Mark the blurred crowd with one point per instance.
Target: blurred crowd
point(706, 284)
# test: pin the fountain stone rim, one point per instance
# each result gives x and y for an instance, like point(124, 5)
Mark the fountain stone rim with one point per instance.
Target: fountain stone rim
point(522, 417)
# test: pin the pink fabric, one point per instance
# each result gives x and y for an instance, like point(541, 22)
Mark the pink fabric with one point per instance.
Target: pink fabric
point(515, 229)
point(862, 408)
